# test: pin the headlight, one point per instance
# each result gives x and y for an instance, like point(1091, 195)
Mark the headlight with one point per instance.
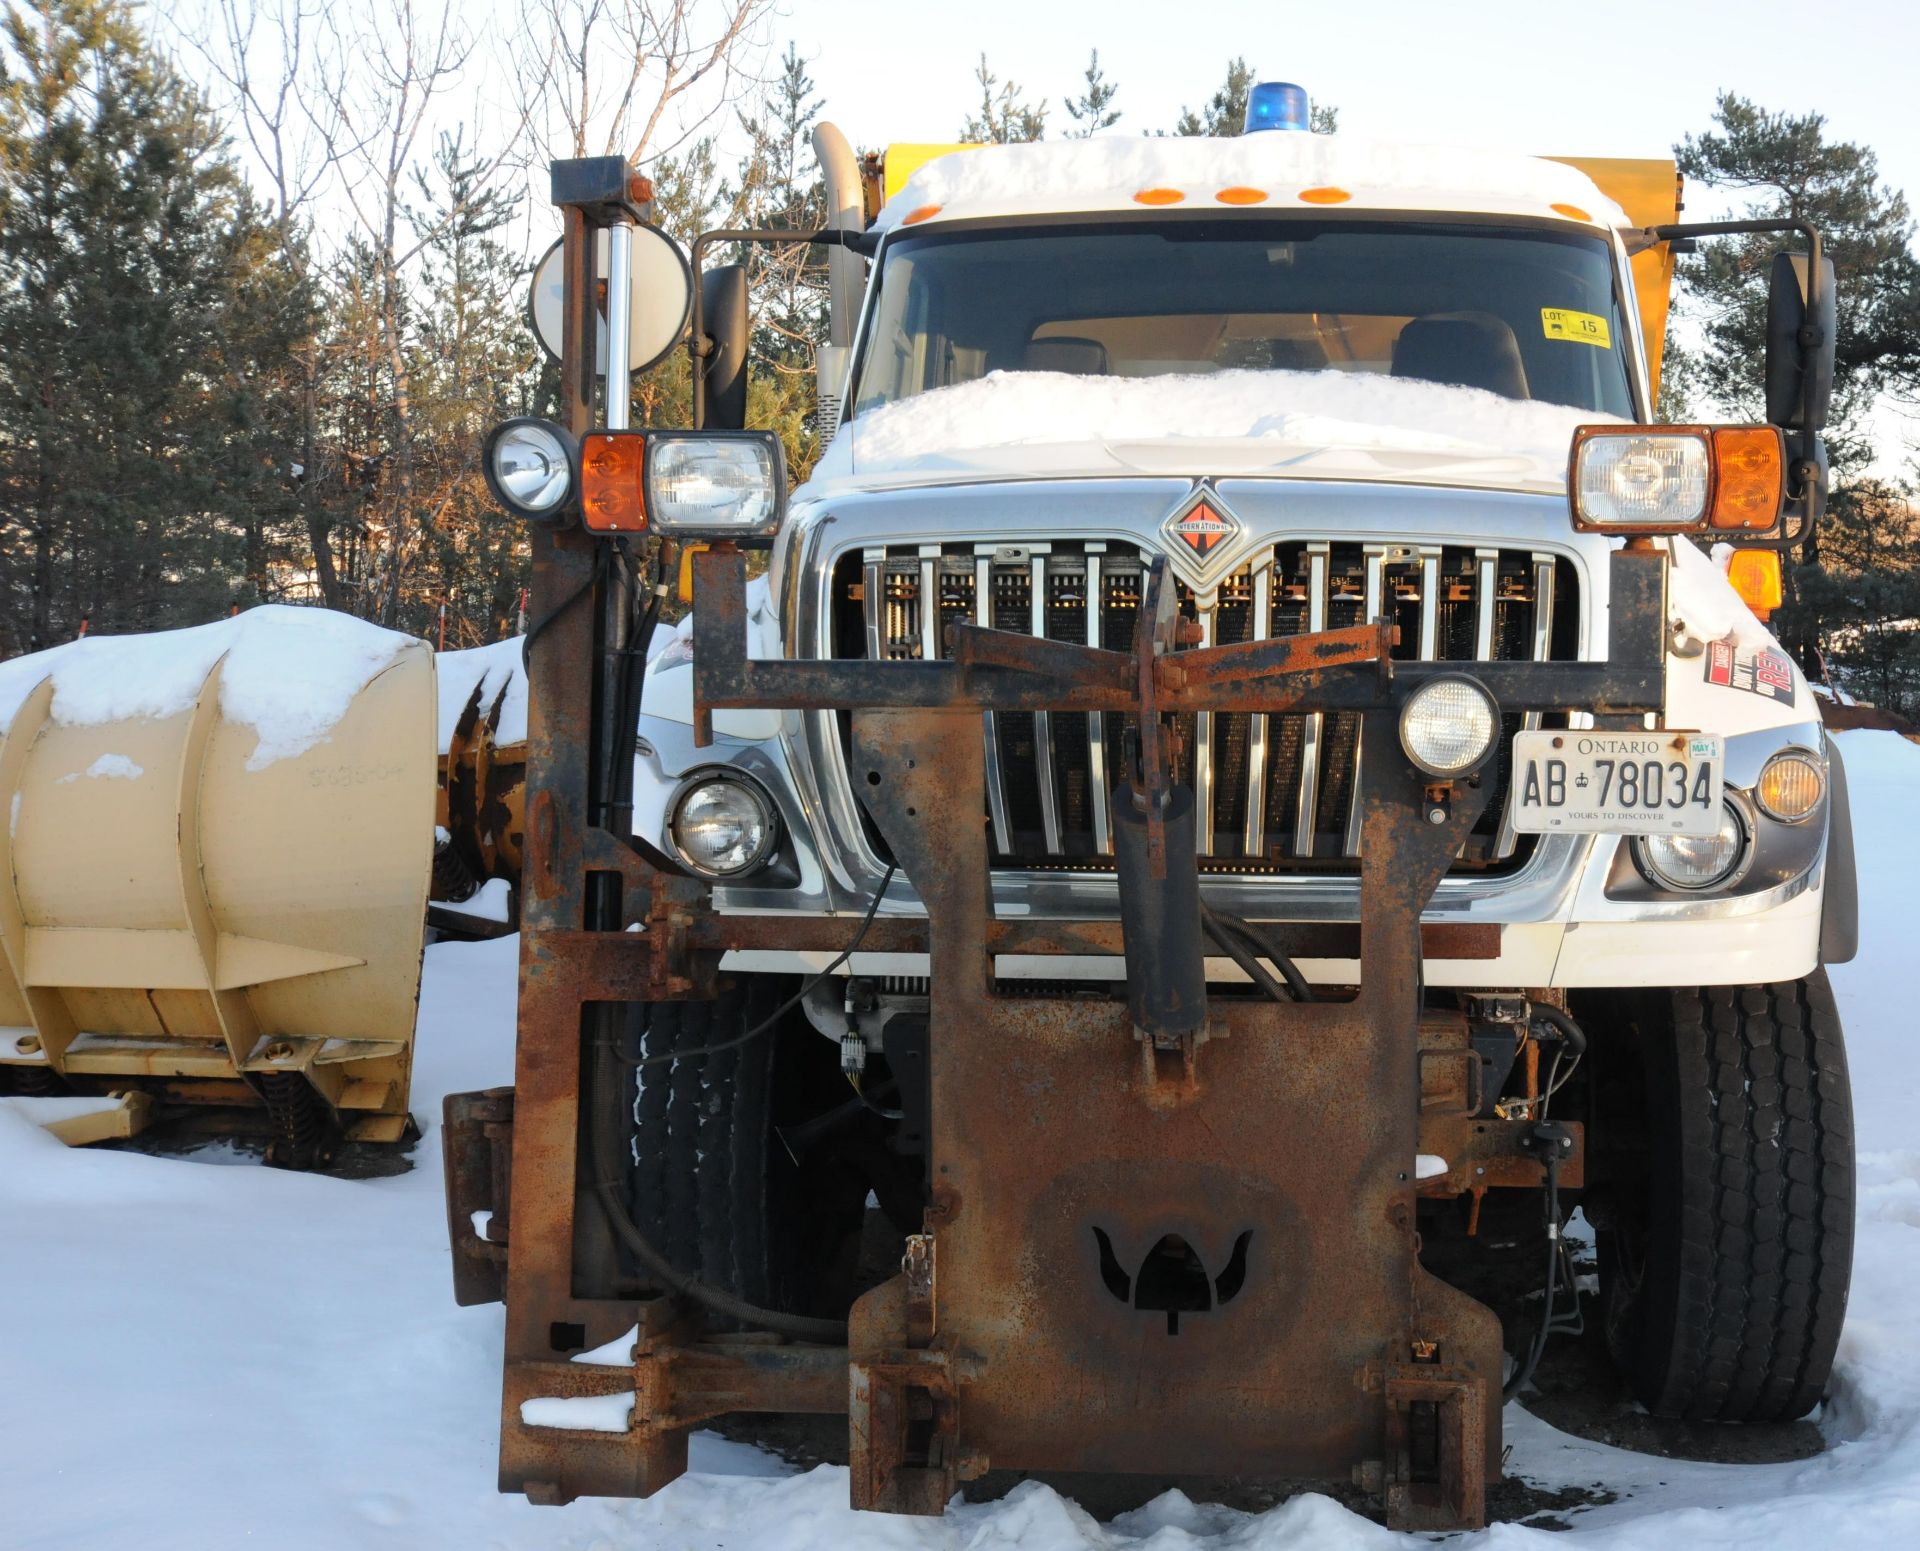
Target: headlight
point(529, 468)
point(1448, 727)
point(1641, 482)
point(1791, 786)
point(723, 826)
point(1690, 863)
point(716, 484)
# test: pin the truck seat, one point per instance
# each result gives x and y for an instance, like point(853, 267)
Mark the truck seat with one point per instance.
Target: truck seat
point(1064, 353)
point(1469, 349)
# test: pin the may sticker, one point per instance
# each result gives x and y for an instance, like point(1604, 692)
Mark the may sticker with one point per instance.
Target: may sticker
point(1767, 673)
point(1585, 327)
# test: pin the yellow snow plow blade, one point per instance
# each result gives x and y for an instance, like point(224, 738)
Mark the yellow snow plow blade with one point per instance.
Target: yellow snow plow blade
point(195, 904)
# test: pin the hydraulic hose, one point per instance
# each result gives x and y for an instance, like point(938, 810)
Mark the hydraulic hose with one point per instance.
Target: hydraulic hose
point(1241, 941)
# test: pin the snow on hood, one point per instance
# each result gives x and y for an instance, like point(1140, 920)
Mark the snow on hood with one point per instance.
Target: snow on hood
point(287, 673)
point(1108, 171)
point(1316, 424)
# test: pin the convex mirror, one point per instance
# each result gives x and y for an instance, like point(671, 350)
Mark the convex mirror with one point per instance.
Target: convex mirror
point(662, 294)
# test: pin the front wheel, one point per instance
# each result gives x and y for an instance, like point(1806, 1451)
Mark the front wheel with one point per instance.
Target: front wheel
point(1724, 1281)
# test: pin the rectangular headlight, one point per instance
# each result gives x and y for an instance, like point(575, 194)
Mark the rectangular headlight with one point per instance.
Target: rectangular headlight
point(716, 484)
point(1640, 479)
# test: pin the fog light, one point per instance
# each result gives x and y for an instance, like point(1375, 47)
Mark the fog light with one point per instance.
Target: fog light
point(1791, 786)
point(723, 826)
point(1690, 863)
point(1448, 727)
point(529, 468)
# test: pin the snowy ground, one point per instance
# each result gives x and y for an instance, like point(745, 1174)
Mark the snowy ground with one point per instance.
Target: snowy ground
point(203, 1357)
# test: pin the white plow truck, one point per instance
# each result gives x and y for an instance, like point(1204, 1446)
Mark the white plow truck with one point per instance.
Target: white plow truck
point(1332, 382)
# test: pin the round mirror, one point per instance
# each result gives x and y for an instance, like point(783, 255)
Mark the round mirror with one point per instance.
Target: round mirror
point(662, 295)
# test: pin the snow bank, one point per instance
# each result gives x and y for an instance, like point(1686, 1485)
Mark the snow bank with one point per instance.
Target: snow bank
point(356, 1406)
point(286, 673)
point(490, 669)
point(1110, 170)
point(1282, 409)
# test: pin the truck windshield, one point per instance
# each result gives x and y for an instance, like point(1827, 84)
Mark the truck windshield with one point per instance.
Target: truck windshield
point(1522, 312)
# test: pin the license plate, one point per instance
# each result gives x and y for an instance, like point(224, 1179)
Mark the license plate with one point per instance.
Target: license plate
point(1617, 783)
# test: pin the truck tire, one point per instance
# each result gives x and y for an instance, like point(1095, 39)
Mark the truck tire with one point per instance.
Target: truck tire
point(712, 1186)
point(1724, 1286)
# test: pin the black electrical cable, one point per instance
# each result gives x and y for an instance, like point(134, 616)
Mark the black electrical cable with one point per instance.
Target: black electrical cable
point(630, 688)
point(1523, 1375)
point(1573, 1038)
point(791, 1002)
point(587, 584)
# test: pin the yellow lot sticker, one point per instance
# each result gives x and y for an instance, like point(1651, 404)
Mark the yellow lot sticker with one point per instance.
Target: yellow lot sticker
point(1586, 327)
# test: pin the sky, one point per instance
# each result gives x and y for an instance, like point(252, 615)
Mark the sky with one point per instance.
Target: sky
point(1627, 78)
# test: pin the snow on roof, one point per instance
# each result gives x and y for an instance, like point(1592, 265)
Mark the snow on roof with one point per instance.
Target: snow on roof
point(288, 674)
point(1280, 412)
point(490, 669)
point(1105, 173)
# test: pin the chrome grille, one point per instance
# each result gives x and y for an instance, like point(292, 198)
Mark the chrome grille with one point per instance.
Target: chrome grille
point(1275, 793)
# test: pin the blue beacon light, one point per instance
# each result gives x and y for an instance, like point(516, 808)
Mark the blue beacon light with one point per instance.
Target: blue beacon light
point(1277, 105)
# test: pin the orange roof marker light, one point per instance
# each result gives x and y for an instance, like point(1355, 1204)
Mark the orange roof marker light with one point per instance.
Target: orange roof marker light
point(1748, 481)
point(1158, 196)
point(924, 213)
point(1755, 575)
point(1239, 194)
point(1327, 194)
point(1572, 213)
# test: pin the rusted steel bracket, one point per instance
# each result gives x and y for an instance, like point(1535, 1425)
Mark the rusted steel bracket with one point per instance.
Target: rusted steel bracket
point(476, 1141)
point(1437, 1475)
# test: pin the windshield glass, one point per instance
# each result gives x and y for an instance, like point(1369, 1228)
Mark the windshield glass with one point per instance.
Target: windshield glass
point(1524, 313)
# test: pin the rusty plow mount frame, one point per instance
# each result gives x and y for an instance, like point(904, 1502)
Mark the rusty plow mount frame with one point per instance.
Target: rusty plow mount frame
point(1271, 1147)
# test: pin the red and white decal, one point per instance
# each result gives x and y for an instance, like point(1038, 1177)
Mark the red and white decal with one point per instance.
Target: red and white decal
point(1766, 672)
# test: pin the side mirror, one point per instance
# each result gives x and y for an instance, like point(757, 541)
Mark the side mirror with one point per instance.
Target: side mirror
point(723, 315)
point(1799, 343)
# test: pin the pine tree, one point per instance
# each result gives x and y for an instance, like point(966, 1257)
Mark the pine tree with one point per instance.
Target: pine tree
point(1225, 112)
point(476, 366)
point(1788, 169)
point(1093, 109)
point(1005, 117)
point(142, 339)
point(781, 189)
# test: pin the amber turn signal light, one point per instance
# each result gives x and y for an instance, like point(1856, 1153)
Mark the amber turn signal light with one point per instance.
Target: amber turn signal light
point(612, 466)
point(1749, 469)
point(1755, 575)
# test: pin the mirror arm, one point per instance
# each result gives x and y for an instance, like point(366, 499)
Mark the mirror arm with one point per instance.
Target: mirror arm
point(1809, 336)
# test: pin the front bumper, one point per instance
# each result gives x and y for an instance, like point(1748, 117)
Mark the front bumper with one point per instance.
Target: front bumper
point(1561, 917)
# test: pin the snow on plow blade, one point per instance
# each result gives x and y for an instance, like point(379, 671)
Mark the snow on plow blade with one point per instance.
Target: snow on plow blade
point(213, 878)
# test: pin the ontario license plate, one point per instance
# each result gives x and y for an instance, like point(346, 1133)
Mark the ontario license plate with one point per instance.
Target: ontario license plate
point(1617, 783)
